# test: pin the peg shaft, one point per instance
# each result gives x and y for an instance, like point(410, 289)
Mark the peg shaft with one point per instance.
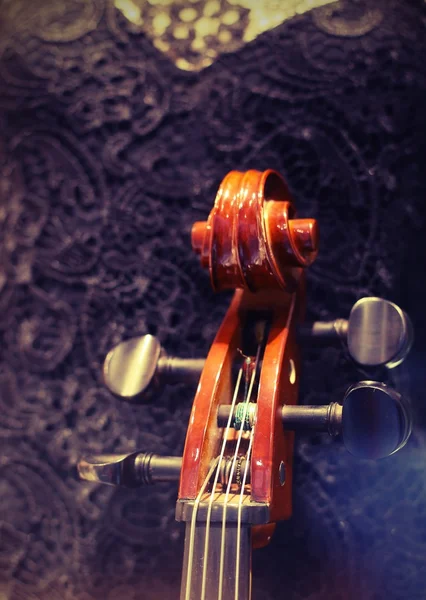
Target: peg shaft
point(326, 418)
point(182, 370)
point(324, 330)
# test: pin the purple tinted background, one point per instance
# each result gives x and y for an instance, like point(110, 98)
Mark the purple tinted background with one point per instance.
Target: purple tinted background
point(108, 154)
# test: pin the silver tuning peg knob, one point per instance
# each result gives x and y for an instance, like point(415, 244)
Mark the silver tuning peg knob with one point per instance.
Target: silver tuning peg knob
point(136, 367)
point(377, 332)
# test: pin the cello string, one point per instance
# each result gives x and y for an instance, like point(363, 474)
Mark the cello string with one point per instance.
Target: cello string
point(240, 506)
point(228, 489)
point(192, 531)
point(213, 492)
point(231, 473)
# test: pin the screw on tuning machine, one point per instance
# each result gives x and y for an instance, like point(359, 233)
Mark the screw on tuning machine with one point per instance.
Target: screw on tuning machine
point(136, 367)
point(373, 419)
point(377, 332)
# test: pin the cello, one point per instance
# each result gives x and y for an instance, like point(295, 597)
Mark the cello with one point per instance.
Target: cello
point(235, 475)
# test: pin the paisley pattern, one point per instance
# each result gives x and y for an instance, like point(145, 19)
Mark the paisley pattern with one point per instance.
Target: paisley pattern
point(108, 154)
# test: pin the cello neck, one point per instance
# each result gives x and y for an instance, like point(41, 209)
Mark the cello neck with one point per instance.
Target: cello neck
point(209, 583)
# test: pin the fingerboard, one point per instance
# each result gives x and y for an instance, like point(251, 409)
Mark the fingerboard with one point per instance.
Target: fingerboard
point(229, 590)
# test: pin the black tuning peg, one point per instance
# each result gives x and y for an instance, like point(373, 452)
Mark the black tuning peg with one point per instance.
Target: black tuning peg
point(136, 367)
point(134, 469)
point(138, 469)
point(377, 332)
point(376, 420)
point(373, 419)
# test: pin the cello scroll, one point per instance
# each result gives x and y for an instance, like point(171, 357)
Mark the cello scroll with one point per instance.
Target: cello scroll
point(235, 474)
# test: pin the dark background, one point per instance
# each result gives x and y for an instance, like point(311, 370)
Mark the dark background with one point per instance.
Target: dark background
point(108, 154)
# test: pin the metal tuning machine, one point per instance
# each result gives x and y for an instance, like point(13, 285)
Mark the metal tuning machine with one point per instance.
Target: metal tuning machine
point(377, 332)
point(137, 367)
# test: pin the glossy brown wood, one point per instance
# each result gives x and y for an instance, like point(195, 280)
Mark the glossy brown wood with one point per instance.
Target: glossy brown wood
point(251, 238)
point(279, 381)
point(271, 444)
point(215, 387)
point(261, 535)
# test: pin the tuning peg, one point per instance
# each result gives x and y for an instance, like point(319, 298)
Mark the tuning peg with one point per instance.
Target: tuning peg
point(373, 419)
point(137, 469)
point(137, 366)
point(377, 332)
point(376, 420)
point(131, 470)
